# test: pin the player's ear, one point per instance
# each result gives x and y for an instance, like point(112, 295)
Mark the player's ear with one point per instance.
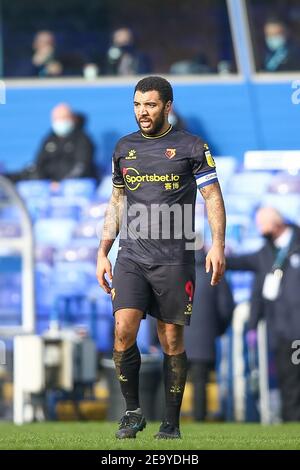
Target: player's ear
point(168, 106)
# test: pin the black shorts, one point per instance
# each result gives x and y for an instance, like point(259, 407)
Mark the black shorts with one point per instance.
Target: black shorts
point(163, 291)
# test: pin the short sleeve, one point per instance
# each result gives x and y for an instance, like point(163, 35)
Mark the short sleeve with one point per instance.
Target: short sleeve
point(203, 164)
point(117, 177)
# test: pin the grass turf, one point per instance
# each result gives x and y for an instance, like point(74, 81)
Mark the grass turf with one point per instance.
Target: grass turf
point(100, 436)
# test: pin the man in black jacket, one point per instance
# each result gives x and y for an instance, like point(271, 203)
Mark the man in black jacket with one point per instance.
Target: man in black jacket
point(67, 152)
point(213, 307)
point(276, 296)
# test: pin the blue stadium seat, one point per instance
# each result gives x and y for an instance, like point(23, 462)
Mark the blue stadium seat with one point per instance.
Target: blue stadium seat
point(38, 208)
point(284, 183)
point(10, 298)
point(9, 229)
point(226, 167)
point(143, 337)
point(61, 207)
point(9, 213)
point(241, 283)
point(87, 233)
point(95, 210)
point(102, 324)
point(77, 253)
point(44, 279)
point(251, 244)
point(249, 182)
point(73, 278)
point(33, 189)
point(246, 204)
point(54, 232)
point(105, 188)
point(80, 187)
point(44, 254)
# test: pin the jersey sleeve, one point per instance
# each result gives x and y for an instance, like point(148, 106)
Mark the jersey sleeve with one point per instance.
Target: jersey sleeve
point(203, 164)
point(117, 177)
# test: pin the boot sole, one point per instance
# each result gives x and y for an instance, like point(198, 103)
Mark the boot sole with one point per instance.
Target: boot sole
point(132, 437)
point(162, 435)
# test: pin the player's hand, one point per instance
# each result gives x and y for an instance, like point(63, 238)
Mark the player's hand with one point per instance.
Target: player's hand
point(104, 268)
point(215, 258)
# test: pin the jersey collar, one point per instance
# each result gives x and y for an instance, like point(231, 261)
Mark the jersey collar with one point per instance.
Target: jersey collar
point(159, 135)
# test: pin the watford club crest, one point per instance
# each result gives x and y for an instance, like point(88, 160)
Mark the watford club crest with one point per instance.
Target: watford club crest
point(170, 153)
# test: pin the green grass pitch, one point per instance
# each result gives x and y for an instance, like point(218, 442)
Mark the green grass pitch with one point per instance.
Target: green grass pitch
point(91, 435)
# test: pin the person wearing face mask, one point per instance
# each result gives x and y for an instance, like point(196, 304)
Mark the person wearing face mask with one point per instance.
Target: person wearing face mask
point(123, 58)
point(280, 54)
point(276, 297)
point(45, 61)
point(67, 152)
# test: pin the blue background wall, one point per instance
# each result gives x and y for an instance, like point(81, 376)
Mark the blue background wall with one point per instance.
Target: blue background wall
point(233, 117)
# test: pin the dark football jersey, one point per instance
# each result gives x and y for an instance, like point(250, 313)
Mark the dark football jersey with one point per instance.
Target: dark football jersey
point(160, 176)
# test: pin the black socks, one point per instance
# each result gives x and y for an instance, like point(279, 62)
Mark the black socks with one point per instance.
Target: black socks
point(175, 370)
point(128, 366)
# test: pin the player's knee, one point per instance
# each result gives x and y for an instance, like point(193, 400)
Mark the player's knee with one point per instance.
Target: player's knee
point(172, 346)
point(124, 337)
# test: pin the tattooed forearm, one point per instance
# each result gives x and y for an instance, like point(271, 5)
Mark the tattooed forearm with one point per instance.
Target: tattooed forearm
point(112, 220)
point(215, 212)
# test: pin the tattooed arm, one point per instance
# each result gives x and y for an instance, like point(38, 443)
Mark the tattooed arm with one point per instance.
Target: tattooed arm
point(111, 228)
point(217, 222)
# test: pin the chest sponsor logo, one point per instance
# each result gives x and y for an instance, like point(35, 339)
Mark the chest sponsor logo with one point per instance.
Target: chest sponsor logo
point(170, 153)
point(133, 179)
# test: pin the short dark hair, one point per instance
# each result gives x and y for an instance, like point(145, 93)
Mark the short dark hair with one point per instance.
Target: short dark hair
point(159, 84)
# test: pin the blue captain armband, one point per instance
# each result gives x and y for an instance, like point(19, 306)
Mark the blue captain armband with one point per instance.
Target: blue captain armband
point(204, 179)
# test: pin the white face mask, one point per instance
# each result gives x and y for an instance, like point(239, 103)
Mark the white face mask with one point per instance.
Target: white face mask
point(62, 127)
point(275, 42)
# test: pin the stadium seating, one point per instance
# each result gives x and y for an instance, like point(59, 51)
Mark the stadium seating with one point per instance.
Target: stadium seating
point(38, 189)
point(80, 187)
point(54, 232)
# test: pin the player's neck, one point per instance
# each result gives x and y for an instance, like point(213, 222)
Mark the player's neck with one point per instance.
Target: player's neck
point(166, 127)
point(163, 131)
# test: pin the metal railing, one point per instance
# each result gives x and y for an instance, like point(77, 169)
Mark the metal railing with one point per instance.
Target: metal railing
point(24, 245)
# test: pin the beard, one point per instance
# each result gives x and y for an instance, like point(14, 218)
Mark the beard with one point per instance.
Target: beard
point(156, 127)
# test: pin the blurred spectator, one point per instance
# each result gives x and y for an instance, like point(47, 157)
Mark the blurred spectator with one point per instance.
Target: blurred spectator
point(276, 296)
point(67, 152)
point(212, 314)
point(45, 62)
point(198, 65)
point(123, 58)
point(280, 54)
